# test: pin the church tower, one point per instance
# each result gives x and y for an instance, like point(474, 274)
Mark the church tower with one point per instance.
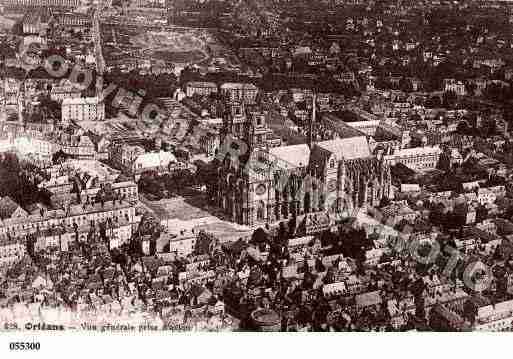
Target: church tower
point(248, 127)
point(235, 122)
point(256, 137)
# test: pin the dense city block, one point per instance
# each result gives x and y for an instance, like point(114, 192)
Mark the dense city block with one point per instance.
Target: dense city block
point(256, 165)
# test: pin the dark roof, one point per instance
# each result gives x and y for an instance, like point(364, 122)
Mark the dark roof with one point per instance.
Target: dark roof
point(236, 247)
point(7, 207)
point(197, 290)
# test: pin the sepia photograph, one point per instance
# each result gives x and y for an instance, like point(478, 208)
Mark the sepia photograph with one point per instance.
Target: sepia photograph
point(220, 166)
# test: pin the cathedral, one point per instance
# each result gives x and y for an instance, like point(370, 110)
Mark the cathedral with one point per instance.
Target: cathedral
point(269, 183)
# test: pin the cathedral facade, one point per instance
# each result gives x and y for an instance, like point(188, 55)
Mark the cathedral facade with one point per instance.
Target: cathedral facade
point(269, 184)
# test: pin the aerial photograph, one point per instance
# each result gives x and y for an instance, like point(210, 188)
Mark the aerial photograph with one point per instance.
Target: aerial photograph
point(174, 166)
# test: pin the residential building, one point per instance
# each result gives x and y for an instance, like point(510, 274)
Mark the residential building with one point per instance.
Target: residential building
point(12, 250)
point(239, 92)
point(133, 160)
point(65, 90)
point(458, 87)
point(200, 88)
point(418, 158)
point(495, 318)
point(82, 109)
point(69, 4)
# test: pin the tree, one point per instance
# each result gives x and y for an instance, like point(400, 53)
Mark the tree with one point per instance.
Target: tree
point(436, 215)
point(259, 236)
point(433, 102)
point(463, 128)
point(292, 226)
point(449, 99)
point(470, 88)
point(470, 311)
point(59, 157)
point(381, 83)
point(489, 127)
point(319, 266)
point(420, 311)
point(495, 92)
point(384, 202)
point(481, 213)
point(405, 85)
point(283, 234)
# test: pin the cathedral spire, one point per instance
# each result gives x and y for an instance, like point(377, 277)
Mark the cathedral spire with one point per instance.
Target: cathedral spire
point(311, 135)
point(20, 100)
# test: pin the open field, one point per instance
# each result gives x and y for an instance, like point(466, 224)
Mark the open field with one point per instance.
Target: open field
point(181, 213)
point(177, 207)
point(180, 46)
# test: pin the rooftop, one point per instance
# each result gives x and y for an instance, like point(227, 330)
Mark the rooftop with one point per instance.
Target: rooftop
point(347, 148)
point(238, 86)
point(292, 156)
point(81, 101)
